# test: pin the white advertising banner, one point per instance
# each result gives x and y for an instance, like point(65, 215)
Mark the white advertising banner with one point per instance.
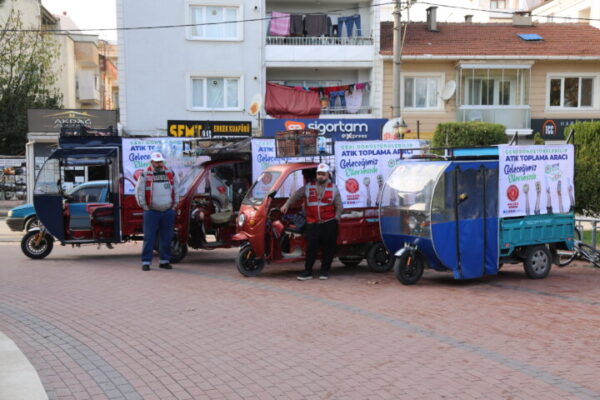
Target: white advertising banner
point(263, 156)
point(363, 166)
point(535, 180)
point(136, 158)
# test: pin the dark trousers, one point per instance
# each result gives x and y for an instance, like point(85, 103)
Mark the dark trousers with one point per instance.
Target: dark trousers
point(321, 236)
point(163, 223)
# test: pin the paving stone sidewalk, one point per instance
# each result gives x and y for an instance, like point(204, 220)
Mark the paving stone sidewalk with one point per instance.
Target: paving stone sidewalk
point(96, 327)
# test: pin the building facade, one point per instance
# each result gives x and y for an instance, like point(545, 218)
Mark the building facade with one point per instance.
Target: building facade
point(568, 11)
point(528, 77)
point(216, 68)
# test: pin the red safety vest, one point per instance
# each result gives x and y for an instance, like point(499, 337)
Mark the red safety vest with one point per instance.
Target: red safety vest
point(323, 209)
point(150, 181)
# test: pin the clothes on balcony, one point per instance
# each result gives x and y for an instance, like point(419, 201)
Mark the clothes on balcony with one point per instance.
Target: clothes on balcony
point(350, 22)
point(354, 100)
point(333, 97)
point(286, 102)
point(297, 25)
point(280, 24)
point(316, 25)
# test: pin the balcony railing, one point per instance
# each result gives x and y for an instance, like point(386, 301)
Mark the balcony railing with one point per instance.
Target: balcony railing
point(512, 117)
point(344, 110)
point(319, 41)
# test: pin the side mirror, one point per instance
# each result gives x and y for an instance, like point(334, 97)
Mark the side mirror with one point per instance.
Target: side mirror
point(272, 194)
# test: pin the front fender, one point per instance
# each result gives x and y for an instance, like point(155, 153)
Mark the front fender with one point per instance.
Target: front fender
point(400, 252)
point(240, 237)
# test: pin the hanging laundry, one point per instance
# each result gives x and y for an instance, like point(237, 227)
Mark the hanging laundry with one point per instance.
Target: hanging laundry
point(315, 24)
point(297, 25)
point(285, 102)
point(280, 24)
point(354, 100)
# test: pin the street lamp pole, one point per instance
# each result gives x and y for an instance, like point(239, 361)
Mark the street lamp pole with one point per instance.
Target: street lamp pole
point(397, 61)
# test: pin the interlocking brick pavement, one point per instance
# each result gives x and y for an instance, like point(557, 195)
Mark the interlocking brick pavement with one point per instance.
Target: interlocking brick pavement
point(96, 327)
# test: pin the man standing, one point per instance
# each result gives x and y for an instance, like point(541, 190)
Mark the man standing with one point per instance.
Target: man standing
point(156, 192)
point(323, 206)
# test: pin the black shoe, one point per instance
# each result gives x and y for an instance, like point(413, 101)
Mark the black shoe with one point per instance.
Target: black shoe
point(305, 276)
point(165, 266)
point(145, 267)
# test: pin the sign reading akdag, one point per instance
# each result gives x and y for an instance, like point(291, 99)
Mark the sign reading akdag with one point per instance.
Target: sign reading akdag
point(363, 166)
point(535, 180)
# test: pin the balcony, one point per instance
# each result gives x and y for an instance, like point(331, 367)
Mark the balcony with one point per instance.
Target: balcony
point(512, 117)
point(318, 41)
point(306, 51)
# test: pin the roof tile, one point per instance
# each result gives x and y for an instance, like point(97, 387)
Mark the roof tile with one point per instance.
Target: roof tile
point(495, 40)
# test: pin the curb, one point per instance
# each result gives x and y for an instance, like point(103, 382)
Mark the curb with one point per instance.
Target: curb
point(18, 379)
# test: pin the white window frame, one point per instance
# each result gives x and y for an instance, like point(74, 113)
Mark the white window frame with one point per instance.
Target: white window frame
point(205, 76)
point(496, 2)
point(441, 78)
point(562, 75)
point(225, 4)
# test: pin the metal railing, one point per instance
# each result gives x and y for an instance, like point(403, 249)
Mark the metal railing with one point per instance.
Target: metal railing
point(344, 110)
point(587, 224)
point(319, 41)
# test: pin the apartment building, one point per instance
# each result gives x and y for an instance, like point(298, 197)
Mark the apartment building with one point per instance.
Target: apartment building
point(568, 11)
point(536, 78)
point(215, 68)
point(480, 11)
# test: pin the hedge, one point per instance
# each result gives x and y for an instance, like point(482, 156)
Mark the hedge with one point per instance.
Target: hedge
point(465, 134)
point(587, 167)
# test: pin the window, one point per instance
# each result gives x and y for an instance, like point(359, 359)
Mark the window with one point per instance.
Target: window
point(571, 92)
point(88, 195)
point(498, 4)
point(494, 86)
point(214, 18)
point(216, 93)
point(421, 92)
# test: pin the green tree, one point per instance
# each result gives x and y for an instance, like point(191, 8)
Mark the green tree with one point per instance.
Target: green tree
point(587, 167)
point(537, 139)
point(27, 78)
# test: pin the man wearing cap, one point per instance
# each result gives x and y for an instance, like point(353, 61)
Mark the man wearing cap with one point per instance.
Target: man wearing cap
point(157, 194)
point(323, 205)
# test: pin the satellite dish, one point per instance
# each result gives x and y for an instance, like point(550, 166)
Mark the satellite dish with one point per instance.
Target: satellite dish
point(255, 104)
point(448, 91)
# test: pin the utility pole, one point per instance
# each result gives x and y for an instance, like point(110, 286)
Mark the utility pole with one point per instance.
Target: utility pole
point(397, 61)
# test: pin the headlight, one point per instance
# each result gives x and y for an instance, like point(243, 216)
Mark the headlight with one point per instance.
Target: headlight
point(412, 222)
point(9, 213)
point(241, 220)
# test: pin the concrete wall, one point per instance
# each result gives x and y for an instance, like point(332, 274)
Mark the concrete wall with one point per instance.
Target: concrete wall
point(66, 69)
point(155, 65)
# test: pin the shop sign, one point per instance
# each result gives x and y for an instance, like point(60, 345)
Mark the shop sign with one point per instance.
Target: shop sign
point(554, 129)
point(45, 120)
point(226, 130)
point(337, 129)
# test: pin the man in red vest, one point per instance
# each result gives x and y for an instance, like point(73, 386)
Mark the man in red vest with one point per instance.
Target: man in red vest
point(157, 194)
point(323, 206)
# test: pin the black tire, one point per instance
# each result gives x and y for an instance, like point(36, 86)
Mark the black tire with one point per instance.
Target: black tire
point(247, 263)
point(178, 251)
point(350, 261)
point(36, 252)
point(538, 262)
point(31, 223)
point(565, 257)
point(588, 253)
point(409, 267)
point(379, 259)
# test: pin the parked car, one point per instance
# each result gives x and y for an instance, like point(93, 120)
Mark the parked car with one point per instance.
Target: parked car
point(24, 217)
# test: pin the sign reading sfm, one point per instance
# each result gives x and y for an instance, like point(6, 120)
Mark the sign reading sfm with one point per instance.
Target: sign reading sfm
point(210, 129)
